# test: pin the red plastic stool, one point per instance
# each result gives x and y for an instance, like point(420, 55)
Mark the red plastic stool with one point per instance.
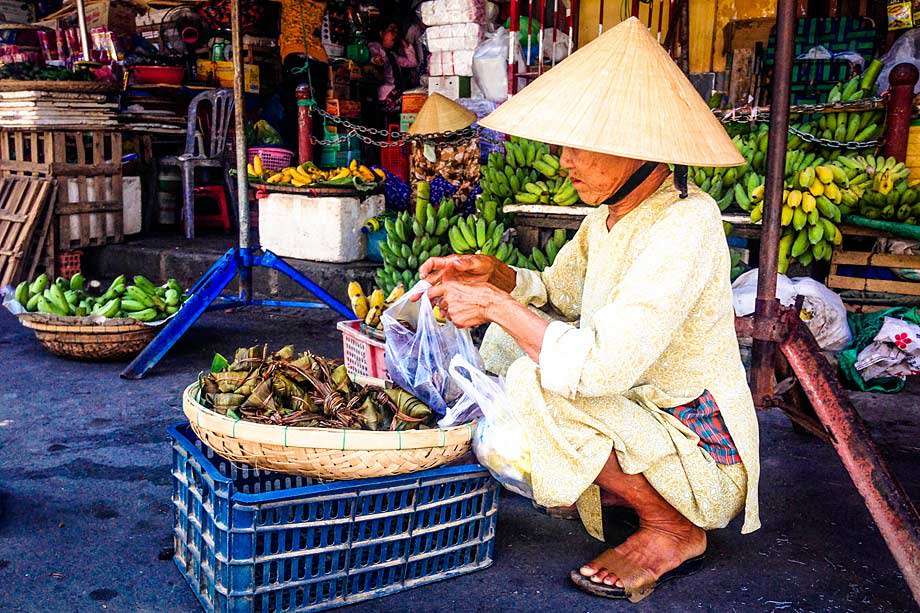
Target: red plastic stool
point(218, 195)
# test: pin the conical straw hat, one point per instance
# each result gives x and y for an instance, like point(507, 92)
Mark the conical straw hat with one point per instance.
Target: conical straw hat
point(441, 114)
point(620, 94)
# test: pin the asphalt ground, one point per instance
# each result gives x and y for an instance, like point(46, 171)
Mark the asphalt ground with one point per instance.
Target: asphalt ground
point(87, 515)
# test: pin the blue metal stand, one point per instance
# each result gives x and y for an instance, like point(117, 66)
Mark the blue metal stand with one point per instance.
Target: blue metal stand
point(206, 294)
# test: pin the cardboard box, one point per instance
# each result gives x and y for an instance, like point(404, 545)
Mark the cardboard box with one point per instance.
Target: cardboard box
point(222, 72)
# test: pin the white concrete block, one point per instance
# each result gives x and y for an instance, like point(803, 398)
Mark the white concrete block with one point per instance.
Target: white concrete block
point(320, 229)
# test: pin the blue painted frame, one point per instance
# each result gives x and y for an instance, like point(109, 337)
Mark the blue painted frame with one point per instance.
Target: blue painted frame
point(206, 295)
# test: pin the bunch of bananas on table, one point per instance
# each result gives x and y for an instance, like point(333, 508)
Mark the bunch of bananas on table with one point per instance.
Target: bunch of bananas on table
point(413, 238)
point(308, 174)
point(369, 308)
point(528, 173)
point(730, 185)
point(846, 126)
point(888, 193)
point(483, 233)
point(744, 185)
point(141, 300)
point(539, 260)
point(817, 194)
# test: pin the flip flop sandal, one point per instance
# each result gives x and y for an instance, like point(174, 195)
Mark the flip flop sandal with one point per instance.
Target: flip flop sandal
point(634, 590)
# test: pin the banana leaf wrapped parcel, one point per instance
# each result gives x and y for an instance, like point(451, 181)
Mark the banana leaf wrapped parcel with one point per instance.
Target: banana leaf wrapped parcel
point(286, 389)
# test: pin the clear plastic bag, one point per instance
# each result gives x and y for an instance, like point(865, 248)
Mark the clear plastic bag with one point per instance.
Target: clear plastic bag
point(419, 350)
point(490, 65)
point(500, 443)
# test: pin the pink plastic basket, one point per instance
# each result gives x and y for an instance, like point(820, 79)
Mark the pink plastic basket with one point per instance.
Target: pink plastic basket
point(364, 355)
point(273, 158)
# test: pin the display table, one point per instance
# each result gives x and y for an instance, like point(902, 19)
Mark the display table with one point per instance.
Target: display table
point(534, 221)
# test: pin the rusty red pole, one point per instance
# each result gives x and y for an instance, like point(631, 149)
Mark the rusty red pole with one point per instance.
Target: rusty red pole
point(305, 102)
point(514, 26)
point(902, 80)
point(887, 502)
point(766, 307)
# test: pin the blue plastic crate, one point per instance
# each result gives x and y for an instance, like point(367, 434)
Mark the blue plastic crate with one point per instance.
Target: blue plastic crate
point(252, 540)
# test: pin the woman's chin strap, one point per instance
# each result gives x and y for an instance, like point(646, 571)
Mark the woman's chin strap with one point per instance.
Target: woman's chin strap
point(634, 181)
point(680, 180)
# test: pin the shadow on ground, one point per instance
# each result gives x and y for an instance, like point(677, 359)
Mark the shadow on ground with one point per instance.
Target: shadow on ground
point(84, 471)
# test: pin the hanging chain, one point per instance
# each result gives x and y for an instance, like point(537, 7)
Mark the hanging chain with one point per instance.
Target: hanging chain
point(833, 144)
point(864, 105)
point(392, 139)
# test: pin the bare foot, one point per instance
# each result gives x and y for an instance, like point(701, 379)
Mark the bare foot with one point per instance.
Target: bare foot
point(655, 550)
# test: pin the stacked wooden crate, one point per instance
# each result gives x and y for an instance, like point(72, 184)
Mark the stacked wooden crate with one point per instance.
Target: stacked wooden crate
point(73, 138)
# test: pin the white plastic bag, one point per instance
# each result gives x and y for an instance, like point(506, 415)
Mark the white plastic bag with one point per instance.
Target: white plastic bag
point(490, 65)
point(500, 443)
point(823, 310)
point(555, 52)
point(904, 50)
point(419, 350)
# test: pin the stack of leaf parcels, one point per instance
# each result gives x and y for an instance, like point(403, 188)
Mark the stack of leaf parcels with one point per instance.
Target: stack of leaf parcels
point(285, 389)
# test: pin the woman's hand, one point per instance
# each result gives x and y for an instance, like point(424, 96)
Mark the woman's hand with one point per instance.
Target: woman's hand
point(467, 305)
point(470, 269)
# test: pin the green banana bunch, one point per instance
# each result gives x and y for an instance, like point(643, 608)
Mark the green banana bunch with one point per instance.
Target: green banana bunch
point(414, 238)
point(541, 260)
point(142, 300)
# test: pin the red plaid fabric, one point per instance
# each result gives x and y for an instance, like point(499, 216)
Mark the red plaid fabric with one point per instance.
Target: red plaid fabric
point(703, 417)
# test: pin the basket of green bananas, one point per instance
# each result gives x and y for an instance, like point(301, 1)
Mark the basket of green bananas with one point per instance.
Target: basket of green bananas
point(73, 322)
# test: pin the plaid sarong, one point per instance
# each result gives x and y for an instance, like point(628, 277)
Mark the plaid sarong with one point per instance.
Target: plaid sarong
point(703, 417)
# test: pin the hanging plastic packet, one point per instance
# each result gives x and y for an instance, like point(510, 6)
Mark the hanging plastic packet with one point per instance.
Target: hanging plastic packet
point(419, 350)
point(500, 443)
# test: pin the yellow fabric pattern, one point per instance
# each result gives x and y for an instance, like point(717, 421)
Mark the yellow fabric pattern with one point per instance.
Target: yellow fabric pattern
point(656, 329)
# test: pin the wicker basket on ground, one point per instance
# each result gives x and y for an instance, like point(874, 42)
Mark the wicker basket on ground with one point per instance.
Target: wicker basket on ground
point(325, 453)
point(89, 338)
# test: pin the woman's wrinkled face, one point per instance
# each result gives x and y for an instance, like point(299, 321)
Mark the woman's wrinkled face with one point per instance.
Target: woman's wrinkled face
point(389, 35)
point(597, 176)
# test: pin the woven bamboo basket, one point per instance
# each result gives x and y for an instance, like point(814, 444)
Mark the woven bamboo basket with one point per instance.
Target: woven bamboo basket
point(325, 453)
point(87, 338)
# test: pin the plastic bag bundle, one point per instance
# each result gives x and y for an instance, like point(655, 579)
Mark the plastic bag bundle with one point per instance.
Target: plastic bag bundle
point(500, 443)
point(419, 350)
point(490, 65)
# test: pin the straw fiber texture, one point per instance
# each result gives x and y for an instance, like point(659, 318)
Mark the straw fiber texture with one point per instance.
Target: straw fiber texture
point(84, 338)
point(441, 114)
point(620, 94)
point(325, 453)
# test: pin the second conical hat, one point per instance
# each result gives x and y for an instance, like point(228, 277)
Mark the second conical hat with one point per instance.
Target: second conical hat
point(441, 114)
point(620, 94)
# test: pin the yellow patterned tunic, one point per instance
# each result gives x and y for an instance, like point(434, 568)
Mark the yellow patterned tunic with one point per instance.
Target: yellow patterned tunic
point(653, 297)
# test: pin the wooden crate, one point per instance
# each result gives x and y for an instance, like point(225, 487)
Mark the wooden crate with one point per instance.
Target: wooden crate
point(87, 166)
point(535, 222)
point(856, 251)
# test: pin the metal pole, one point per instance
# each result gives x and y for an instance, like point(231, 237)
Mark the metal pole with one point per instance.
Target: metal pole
point(84, 31)
point(239, 116)
point(767, 308)
point(887, 502)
